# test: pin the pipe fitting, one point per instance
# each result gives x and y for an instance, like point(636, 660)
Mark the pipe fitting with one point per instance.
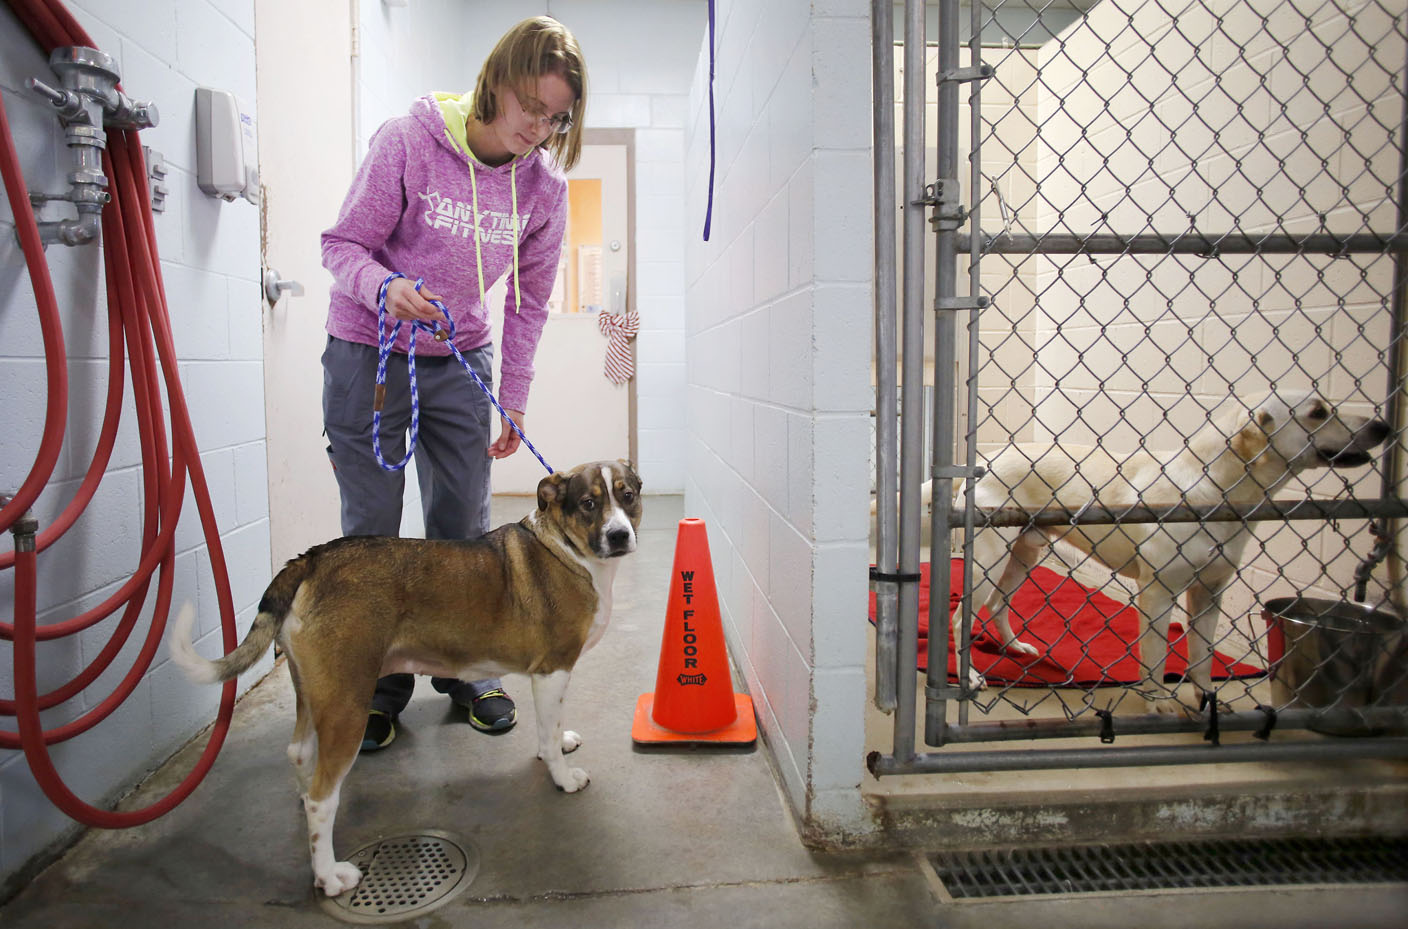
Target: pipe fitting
point(87, 102)
point(25, 529)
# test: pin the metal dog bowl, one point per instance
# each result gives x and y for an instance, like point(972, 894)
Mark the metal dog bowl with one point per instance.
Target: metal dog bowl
point(1336, 656)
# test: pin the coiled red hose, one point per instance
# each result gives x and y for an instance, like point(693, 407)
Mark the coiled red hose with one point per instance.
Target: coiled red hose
point(139, 332)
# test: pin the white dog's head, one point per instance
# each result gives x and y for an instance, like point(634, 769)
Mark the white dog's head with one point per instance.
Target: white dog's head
point(1292, 432)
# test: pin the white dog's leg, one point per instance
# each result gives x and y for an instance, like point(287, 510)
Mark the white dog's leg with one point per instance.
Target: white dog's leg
point(989, 549)
point(548, 690)
point(1204, 610)
point(333, 876)
point(1156, 604)
point(301, 754)
point(338, 738)
point(1026, 551)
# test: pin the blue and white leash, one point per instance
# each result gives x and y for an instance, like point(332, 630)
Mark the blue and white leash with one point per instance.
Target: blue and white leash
point(384, 342)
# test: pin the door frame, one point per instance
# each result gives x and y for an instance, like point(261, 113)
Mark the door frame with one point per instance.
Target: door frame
point(627, 138)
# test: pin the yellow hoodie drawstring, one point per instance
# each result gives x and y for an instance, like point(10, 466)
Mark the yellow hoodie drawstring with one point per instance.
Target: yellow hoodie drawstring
point(478, 250)
point(513, 184)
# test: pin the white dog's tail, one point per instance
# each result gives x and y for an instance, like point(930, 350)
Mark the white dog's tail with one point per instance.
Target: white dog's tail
point(274, 607)
point(202, 670)
point(183, 651)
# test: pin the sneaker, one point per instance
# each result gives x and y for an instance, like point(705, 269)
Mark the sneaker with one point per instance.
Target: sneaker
point(493, 711)
point(381, 730)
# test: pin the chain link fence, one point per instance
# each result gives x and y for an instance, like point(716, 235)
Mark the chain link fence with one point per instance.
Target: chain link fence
point(1176, 378)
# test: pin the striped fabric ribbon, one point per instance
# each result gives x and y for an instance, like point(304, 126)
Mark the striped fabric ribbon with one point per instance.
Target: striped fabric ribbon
point(619, 330)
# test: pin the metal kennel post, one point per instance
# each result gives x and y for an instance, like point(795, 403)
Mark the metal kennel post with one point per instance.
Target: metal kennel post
point(1235, 207)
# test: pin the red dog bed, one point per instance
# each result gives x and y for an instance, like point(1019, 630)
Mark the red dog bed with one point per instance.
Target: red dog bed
point(1084, 638)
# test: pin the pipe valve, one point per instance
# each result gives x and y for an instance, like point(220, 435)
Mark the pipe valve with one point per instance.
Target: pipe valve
point(86, 103)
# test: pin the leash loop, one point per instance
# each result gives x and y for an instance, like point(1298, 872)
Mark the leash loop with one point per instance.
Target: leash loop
point(446, 333)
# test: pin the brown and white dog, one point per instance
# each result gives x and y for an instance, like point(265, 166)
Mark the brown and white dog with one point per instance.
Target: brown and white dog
point(528, 597)
point(1241, 457)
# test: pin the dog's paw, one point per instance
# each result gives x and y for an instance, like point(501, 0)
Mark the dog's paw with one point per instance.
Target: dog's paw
point(571, 741)
point(1018, 647)
point(342, 878)
point(976, 681)
point(576, 779)
point(1168, 706)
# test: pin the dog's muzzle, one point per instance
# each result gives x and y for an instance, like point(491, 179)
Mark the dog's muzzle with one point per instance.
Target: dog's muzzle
point(1356, 453)
point(617, 538)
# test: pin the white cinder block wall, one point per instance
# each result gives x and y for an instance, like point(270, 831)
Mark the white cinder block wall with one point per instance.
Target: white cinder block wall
point(1236, 139)
point(210, 263)
point(778, 374)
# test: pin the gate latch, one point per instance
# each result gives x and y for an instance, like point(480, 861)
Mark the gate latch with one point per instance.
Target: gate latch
point(944, 197)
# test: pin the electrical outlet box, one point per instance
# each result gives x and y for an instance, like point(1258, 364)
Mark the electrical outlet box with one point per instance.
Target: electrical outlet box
point(227, 150)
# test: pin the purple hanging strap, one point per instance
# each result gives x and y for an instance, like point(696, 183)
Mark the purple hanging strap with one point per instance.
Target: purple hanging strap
point(709, 211)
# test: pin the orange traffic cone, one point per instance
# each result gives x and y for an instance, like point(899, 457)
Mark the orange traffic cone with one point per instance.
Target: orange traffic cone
point(694, 699)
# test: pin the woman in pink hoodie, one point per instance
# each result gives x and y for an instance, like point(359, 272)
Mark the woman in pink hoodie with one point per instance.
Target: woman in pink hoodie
point(464, 190)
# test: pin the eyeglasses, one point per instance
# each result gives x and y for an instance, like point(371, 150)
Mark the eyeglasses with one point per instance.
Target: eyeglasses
point(560, 123)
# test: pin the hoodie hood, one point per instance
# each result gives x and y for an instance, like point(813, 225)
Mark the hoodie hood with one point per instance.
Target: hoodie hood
point(444, 116)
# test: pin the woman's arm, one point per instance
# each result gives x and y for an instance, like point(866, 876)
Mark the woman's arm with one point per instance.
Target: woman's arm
point(370, 213)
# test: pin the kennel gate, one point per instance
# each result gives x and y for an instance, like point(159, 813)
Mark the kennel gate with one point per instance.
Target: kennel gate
point(1211, 196)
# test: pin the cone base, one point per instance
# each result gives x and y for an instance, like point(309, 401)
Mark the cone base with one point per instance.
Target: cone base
point(742, 731)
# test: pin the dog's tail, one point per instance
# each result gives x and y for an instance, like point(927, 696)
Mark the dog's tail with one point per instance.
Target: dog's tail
point(273, 608)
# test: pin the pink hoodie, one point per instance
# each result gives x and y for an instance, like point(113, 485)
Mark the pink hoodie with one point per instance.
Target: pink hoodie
point(411, 209)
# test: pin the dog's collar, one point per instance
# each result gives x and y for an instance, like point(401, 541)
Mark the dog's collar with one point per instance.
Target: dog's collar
point(561, 546)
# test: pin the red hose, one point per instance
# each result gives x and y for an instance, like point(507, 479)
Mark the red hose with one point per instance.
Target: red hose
point(140, 333)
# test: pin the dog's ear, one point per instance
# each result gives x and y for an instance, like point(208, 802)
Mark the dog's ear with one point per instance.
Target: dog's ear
point(626, 463)
point(551, 490)
point(1251, 440)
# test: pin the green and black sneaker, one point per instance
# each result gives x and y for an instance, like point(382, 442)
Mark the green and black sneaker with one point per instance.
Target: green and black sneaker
point(381, 731)
point(493, 711)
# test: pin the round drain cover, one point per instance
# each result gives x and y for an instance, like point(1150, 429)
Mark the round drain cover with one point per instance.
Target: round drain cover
point(404, 876)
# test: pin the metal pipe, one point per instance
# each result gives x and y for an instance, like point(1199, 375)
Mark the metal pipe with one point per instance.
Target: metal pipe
point(1392, 462)
point(1369, 717)
point(948, 214)
point(912, 384)
point(1186, 243)
point(1015, 516)
point(970, 391)
point(1047, 759)
point(88, 101)
point(882, 60)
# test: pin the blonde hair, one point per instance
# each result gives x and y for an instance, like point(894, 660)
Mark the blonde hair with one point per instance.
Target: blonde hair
point(537, 46)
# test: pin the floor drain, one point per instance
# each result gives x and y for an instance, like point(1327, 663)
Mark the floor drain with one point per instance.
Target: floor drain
point(405, 876)
point(1167, 865)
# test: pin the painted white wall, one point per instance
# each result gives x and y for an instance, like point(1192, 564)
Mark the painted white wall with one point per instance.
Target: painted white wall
point(778, 332)
point(1238, 141)
point(210, 263)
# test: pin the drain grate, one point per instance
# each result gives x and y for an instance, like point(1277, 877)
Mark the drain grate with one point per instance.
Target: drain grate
point(405, 876)
point(1159, 865)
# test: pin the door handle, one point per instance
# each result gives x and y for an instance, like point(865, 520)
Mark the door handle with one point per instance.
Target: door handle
point(275, 286)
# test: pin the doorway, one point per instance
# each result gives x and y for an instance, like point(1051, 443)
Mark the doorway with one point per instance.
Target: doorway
point(576, 413)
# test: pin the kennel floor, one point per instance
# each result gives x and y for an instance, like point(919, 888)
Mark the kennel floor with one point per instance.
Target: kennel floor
point(701, 839)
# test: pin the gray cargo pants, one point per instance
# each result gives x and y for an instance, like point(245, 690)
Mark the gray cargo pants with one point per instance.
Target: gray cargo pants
point(452, 464)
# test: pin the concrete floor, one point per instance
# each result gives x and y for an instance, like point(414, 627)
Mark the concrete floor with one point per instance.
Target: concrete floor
point(660, 838)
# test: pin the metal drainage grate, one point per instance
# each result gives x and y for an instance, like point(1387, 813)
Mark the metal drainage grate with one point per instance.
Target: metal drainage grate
point(405, 876)
point(1157, 866)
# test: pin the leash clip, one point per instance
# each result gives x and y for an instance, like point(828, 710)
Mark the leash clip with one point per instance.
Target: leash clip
point(1264, 733)
point(1107, 726)
point(1209, 702)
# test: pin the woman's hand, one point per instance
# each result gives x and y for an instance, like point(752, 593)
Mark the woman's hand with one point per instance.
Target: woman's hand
point(508, 440)
point(403, 301)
